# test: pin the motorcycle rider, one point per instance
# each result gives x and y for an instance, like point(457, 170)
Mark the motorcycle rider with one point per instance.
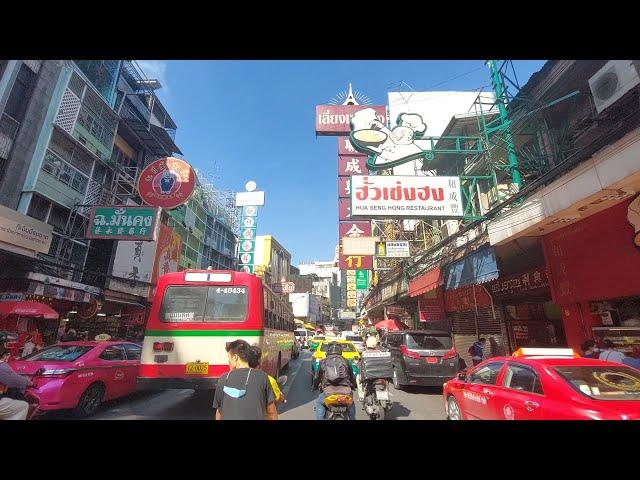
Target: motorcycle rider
point(11, 409)
point(342, 386)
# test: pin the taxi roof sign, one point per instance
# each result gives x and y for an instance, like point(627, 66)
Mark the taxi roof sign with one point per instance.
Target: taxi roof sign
point(545, 352)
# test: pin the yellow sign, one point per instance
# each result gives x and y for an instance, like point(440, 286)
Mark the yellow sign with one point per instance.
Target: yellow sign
point(24, 232)
point(197, 368)
point(351, 302)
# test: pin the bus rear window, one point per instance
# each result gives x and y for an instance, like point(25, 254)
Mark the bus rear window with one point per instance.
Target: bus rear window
point(204, 304)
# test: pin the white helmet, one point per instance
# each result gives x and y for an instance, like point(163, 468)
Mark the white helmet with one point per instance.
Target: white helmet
point(372, 342)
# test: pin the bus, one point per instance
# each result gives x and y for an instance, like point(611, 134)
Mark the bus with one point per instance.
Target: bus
point(195, 313)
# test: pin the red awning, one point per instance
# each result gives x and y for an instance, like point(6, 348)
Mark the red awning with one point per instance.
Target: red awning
point(425, 283)
point(28, 309)
point(391, 325)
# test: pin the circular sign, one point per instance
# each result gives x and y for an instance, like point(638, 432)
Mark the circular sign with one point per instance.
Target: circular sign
point(246, 246)
point(245, 269)
point(245, 258)
point(166, 183)
point(249, 222)
point(250, 211)
point(247, 234)
point(251, 186)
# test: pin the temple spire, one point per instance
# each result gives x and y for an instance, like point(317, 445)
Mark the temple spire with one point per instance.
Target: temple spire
point(350, 100)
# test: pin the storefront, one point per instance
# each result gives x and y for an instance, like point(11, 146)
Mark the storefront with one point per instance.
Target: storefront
point(531, 318)
point(594, 267)
point(428, 293)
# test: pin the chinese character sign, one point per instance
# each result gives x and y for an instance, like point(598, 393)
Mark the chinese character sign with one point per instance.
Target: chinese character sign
point(134, 261)
point(352, 165)
point(247, 246)
point(123, 223)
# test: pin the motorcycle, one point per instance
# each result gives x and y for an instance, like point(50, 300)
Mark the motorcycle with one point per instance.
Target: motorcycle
point(336, 406)
point(31, 397)
point(377, 371)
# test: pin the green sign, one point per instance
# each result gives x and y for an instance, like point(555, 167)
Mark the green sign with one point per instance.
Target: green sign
point(362, 279)
point(123, 223)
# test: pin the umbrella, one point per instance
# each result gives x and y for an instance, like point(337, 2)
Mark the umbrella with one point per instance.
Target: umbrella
point(391, 325)
point(28, 309)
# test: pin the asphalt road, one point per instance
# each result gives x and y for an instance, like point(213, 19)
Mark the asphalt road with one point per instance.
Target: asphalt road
point(415, 403)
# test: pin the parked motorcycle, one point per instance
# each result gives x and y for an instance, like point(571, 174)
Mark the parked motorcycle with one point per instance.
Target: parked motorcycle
point(30, 396)
point(376, 373)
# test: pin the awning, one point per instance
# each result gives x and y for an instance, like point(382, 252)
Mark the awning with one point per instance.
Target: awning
point(479, 267)
point(425, 283)
point(28, 309)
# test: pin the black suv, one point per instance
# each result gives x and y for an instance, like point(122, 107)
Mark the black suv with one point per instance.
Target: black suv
point(422, 357)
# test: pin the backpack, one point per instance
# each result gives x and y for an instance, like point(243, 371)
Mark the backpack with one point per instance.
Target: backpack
point(336, 370)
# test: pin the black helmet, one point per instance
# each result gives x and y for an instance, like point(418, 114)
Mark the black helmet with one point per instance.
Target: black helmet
point(334, 348)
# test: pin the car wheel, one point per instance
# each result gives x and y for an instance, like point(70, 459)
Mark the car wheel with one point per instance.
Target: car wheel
point(396, 381)
point(453, 409)
point(89, 401)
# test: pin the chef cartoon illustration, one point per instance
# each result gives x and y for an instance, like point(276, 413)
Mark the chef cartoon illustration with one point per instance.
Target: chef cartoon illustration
point(387, 148)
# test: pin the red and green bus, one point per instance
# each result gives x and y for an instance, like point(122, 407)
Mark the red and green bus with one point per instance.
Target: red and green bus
point(195, 313)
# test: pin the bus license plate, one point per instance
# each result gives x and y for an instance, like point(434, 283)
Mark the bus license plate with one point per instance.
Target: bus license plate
point(195, 368)
point(382, 395)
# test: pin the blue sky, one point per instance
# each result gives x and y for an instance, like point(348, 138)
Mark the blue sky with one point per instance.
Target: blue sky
point(242, 120)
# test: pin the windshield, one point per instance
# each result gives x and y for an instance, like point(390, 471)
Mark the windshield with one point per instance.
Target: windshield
point(603, 383)
point(204, 304)
point(299, 333)
point(317, 339)
point(353, 338)
point(346, 347)
point(428, 342)
point(59, 353)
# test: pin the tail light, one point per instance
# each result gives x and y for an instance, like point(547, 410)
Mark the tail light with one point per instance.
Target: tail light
point(57, 373)
point(409, 353)
point(450, 354)
point(162, 346)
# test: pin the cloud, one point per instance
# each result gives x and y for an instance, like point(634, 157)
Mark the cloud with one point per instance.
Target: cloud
point(156, 69)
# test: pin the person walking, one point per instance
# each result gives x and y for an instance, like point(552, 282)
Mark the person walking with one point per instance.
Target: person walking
point(11, 409)
point(477, 351)
point(244, 393)
point(255, 363)
point(610, 354)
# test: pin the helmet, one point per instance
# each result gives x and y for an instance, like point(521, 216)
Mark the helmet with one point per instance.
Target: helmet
point(334, 348)
point(372, 342)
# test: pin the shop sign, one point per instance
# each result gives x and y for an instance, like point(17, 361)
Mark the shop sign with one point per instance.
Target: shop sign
point(46, 279)
point(527, 282)
point(393, 249)
point(359, 245)
point(392, 289)
point(355, 262)
point(344, 187)
point(123, 223)
point(332, 120)
point(134, 262)
point(520, 332)
point(396, 311)
point(362, 279)
point(345, 148)
point(354, 229)
point(344, 315)
point(59, 293)
point(167, 183)
point(466, 298)
point(23, 231)
point(252, 199)
point(344, 209)
point(405, 196)
point(284, 287)
point(352, 165)
point(168, 252)
point(430, 311)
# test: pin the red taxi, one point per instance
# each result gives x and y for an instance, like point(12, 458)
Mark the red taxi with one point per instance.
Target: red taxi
point(544, 384)
point(81, 375)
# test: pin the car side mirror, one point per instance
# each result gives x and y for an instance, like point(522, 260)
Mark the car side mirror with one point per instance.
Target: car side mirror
point(462, 376)
point(282, 380)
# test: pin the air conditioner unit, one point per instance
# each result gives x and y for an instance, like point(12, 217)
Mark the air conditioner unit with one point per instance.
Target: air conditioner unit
point(612, 81)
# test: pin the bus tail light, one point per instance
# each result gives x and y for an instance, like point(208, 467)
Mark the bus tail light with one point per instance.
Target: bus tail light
point(450, 354)
point(167, 346)
point(409, 353)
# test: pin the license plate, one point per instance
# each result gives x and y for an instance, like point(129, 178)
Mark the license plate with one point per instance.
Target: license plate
point(432, 359)
point(195, 368)
point(339, 409)
point(382, 395)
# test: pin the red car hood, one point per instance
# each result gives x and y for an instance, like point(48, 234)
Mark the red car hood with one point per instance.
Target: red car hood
point(27, 367)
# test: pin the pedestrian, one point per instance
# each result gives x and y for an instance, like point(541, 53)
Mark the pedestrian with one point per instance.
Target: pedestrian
point(29, 346)
point(590, 349)
point(70, 336)
point(255, 363)
point(610, 354)
point(477, 351)
point(244, 393)
point(11, 409)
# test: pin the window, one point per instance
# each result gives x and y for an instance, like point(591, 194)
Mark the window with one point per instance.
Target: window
point(113, 353)
point(20, 95)
point(58, 217)
point(60, 353)
point(428, 342)
point(521, 378)
point(346, 347)
point(603, 383)
point(134, 352)
point(38, 208)
point(205, 304)
point(486, 375)
point(64, 172)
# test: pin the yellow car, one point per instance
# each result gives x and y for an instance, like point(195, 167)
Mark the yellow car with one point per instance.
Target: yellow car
point(349, 352)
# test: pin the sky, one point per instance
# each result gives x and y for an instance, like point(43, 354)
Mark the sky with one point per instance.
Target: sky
point(255, 120)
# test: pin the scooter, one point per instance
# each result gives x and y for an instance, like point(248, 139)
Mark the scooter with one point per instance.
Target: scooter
point(336, 406)
point(373, 383)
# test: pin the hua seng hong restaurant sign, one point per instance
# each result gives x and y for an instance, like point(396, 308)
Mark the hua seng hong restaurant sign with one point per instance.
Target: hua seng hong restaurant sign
point(333, 120)
point(532, 282)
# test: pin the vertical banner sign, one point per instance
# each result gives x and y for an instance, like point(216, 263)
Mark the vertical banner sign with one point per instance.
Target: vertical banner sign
point(351, 289)
point(247, 240)
point(362, 279)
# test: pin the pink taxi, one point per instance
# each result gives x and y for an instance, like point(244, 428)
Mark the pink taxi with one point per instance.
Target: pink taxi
point(81, 375)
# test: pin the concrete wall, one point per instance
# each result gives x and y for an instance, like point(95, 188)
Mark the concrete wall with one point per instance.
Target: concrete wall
point(24, 145)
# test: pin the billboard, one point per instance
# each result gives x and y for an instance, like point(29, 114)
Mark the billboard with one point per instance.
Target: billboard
point(332, 120)
point(133, 262)
point(353, 262)
point(123, 223)
point(398, 249)
point(354, 229)
point(168, 253)
point(359, 245)
point(166, 183)
point(352, 165)
point(405, 196)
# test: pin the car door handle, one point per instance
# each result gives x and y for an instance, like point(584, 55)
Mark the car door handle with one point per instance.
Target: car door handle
point(487, 392)
point(531, 406)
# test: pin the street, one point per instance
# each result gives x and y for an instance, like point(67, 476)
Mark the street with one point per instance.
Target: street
point(416, 403)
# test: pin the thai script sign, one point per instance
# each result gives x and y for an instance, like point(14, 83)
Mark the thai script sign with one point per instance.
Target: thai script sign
point(405, 196)
point(393, 249)
point(24, 231)
point(284, 287)
point(335, 119)
point(123, 223)
point(167, 183)
point(362, 279)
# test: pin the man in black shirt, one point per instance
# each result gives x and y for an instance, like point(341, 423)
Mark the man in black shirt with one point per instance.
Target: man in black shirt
point(243, 393)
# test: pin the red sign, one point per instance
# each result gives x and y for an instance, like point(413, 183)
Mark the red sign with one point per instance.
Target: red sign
point(166, 183)
point(354, 229)
point(345, 147)
point(344, 190)
point(593, 259)
point(334, 119)
point(527, 282)
point(356, 262)
point(344, 208)
point(465, 298)
point(352, 165)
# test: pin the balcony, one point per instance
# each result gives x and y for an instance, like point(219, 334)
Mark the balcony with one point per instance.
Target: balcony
point(8, 132)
